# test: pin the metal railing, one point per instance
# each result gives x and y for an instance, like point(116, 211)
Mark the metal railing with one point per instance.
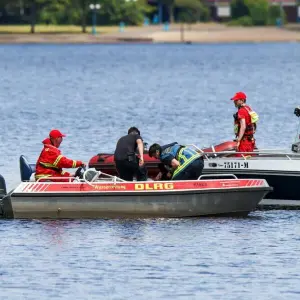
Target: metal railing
point(216, 175)
point(95, 178)
point(246, 155)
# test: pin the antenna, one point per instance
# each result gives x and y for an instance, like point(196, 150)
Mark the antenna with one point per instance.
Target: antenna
point(296, 145)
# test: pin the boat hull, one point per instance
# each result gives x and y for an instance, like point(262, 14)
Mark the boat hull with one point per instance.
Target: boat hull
point(281, 173)
point(139, 200)
point(137, 206)
point(285, 184)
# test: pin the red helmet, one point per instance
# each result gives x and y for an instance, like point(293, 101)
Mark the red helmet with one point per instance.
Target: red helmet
point(239, 96)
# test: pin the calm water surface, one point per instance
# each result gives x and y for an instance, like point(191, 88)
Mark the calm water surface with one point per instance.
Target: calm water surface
point(177, 92)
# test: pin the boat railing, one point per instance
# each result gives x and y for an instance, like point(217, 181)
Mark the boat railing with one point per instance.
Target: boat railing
point(217, 175)
point(89, 176)
point(246, 155)
point(198, 149)
point(63, 179)
point(96, 177)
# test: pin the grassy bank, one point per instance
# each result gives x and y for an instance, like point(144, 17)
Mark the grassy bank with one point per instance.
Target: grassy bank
point(69, 29)
point(19, 29)
point(73, 29)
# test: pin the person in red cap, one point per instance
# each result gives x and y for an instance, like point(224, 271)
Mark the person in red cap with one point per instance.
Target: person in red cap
point(51, 162)
point(244, 124)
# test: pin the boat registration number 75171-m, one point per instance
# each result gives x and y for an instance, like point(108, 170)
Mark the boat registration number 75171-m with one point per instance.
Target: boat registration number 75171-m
point(235, 165)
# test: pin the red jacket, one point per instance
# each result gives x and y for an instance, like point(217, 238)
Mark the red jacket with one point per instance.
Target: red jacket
point(51, 162)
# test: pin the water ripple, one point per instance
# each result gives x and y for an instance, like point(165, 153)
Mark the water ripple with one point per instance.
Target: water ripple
point(94, 93)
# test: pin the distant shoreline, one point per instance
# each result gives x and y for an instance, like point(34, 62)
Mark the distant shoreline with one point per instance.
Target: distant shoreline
point(198, 33)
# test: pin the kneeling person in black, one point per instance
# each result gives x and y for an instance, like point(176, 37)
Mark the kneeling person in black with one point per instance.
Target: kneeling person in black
point(127, 163)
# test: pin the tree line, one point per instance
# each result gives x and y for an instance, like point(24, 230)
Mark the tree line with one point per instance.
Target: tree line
point(256, 13)
point(111, 12)
point(133, 12)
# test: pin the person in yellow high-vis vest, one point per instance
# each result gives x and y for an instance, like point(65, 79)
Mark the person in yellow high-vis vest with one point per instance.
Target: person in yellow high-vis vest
point(183, 162)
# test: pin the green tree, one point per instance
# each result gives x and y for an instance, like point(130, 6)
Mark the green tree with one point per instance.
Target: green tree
point(36, 7)
point(45, 10)
point(204, 12)
point(134, 12)
point(258, 10)
point(170, 5)
point(275, 12)
point(4, 3)
point(191, 11)
point(239, 9)
point(80, 9)
point(131, 12)
point(53, 12)
point(111, 11)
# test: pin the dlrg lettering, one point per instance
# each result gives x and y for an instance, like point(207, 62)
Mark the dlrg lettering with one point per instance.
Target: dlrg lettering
point(154, 186)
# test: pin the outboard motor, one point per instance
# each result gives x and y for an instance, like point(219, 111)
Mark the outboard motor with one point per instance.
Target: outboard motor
point(26, 169)
point(2, 187)
point(296, 146)
point(3, 193)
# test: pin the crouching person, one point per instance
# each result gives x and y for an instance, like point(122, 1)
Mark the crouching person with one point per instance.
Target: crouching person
point(51, 162)
point(184, 162)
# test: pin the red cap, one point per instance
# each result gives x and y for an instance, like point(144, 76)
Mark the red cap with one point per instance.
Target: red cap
point(239, 96)
point(55, 133)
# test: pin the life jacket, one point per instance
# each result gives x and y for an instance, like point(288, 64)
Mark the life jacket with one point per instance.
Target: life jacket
point(170, 149)
point(183, 154)
point(250, 127)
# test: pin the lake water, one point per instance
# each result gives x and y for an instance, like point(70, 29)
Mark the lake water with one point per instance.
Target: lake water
point(94, 93)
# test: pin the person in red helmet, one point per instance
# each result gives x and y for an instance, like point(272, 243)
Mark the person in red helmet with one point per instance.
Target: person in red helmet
point(51, 162)
point(244, 124)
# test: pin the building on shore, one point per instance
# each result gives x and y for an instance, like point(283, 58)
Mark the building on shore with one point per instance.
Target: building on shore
point(220, 9)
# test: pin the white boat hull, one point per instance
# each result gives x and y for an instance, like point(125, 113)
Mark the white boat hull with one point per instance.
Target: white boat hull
point(281, 172)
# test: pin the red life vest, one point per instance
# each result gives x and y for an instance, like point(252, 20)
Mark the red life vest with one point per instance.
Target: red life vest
point(250, 127)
